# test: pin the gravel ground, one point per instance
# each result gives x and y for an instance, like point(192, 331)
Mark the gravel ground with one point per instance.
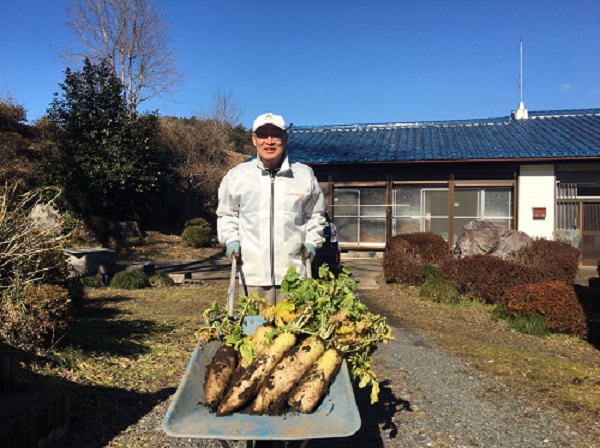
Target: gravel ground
point(428, 399)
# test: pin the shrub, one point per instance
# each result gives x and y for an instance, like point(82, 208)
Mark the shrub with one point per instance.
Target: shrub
point(39, 319)
point(401, 263)
point(134, 241)
point(196, 222)
point(529, 323)
point(486, 278)
point(110, 164)
point(161, 280)
point(54, 267)
point(430, 271)
point(129, 280)
point(31, 265)
point(440, 290)
point(554, 300)
point(71, 222)
point(196, 236)
point(91, 281)
point(432, 248)
point(558, 260)
point(27, 249)
point(412, 258)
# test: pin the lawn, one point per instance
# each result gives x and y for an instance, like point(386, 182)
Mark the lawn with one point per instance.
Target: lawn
point(128, 349)
point(126, 352)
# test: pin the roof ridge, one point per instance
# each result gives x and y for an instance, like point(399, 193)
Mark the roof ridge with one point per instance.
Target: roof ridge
point(493, 121)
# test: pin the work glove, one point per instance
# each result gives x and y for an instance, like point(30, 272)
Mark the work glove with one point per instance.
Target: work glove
point(233, 248)
point(310, 251)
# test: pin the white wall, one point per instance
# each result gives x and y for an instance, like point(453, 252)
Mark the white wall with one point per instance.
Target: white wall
point(537, 185)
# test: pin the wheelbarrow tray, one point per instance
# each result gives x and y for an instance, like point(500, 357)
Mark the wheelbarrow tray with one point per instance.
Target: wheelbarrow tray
point(187, 416)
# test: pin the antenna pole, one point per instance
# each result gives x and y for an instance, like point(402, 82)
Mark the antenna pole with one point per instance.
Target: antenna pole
point(521, 69)
point(521, 112)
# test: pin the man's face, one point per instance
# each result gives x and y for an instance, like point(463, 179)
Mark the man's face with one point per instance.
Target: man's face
point(270, 142)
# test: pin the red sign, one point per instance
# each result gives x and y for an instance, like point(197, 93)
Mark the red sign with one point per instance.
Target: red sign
point(539, 212)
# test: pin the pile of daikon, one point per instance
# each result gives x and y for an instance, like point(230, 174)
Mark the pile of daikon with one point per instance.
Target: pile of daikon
point(291, 360)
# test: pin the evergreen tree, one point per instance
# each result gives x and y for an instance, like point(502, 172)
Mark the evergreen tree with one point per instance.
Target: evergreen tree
point(108, 162)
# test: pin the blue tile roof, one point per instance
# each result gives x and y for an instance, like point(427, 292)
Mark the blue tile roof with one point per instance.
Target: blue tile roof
point(563, 134)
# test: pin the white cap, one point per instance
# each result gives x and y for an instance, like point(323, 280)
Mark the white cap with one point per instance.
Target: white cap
point(268, 118)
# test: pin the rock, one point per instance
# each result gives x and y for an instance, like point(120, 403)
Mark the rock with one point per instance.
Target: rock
point(570, 236)
point(146, 267)
point(486, 238)
point(177, 278)
point(126, 229)
point(88, 260)
point(47, 217)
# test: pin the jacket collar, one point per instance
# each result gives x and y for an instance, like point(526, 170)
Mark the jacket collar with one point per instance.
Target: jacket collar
point(285, 164)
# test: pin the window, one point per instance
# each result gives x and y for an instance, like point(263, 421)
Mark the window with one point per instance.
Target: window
point(567, 207)
point(359, 214)
point(425, 208)
point(406, 210)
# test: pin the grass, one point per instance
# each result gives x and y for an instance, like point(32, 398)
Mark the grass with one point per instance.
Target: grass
point(528, 323)
point(549, 377)
point(128, 349)
point(556, 371)
point(139, 342)
point(126, 352)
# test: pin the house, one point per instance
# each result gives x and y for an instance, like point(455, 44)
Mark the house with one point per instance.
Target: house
point(538, 172)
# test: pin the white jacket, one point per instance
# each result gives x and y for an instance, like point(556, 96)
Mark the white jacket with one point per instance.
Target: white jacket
point(272, 216)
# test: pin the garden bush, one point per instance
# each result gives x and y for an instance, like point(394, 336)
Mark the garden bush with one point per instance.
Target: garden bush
point(440, 290)
point(558, 260)
point(91, 281)
point(401, 263)
point(31, 260)
point(37, 318)
point(430, 271)
point(196, 222)
point(556, 301)
point(196, 236)
point(431, 248)
point(486, 278)
point(161, 280)
point(134, 241)
point(130, 280)
point(412, 258)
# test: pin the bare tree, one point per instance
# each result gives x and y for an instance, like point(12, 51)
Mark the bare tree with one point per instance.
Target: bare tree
point(205, 148)
point(225, 108)
point(132, 38)
point(202, 156)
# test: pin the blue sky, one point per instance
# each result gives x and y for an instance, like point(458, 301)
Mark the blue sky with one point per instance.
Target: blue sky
point(340, 61)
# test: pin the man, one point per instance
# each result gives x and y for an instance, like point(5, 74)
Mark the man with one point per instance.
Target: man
point(271, 211)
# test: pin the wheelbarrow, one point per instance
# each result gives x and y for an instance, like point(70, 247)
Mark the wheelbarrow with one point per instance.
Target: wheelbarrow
point(187, 416)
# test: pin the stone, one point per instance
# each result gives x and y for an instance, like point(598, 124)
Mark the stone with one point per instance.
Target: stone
point(487, 238)
point(146, 267)
point(47, 217)
point(177, 278)
point(88, 260)
point(126, 229)
point(570, 236)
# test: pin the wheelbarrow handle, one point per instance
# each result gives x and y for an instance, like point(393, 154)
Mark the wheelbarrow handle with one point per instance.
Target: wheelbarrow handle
point(231, 292)
point(308, 264)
